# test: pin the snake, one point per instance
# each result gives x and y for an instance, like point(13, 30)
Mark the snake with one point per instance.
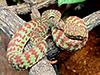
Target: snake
point(70, 35)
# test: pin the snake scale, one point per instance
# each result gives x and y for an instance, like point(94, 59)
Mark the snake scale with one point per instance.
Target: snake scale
point(70, 35)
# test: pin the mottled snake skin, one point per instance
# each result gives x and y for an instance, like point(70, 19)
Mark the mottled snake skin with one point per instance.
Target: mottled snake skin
point(71, 36)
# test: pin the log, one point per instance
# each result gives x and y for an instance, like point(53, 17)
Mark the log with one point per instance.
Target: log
point(29, 4)
point(3, 2)
point(92, 20)
point(35, 14)
point(9, 21)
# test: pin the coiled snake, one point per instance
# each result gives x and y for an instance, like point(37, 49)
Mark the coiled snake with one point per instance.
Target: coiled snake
point(70, 36)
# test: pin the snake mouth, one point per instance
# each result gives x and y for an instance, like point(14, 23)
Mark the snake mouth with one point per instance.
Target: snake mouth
point(78, 37)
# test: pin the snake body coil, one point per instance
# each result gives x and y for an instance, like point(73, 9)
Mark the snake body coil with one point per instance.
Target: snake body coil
point(70, 36)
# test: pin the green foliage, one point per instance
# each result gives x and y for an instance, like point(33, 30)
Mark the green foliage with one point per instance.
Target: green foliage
point(60, 2)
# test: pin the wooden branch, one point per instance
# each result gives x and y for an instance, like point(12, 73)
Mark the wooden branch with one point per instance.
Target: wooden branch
point(29, 4)
point(20, 9)
point(3, 2)
point(9, 21)
point(92, 20)
point(35, 14)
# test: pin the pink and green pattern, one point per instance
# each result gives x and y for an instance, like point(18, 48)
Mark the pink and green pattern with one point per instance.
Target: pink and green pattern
point(70, 36)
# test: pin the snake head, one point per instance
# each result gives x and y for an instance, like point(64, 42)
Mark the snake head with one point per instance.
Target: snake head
point(76, 33)
point(75, 28)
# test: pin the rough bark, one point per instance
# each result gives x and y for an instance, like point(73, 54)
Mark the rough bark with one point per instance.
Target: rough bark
point(3, 2)
point(35, 14)
point(29, 4)
point(92, 20)
point(9, 21)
